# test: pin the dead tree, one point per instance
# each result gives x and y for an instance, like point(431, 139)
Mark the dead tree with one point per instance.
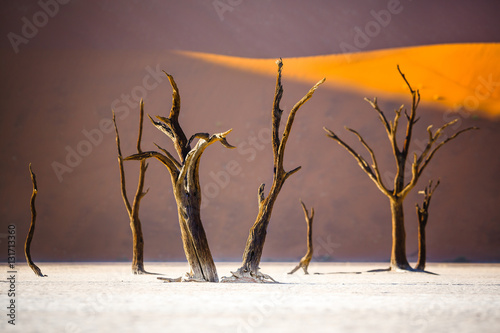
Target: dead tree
point(423, 214)
point(31, 232)
point(186, 186)
point(249, 270)
point(401, 187)
point(304, 262)
point(133, 210)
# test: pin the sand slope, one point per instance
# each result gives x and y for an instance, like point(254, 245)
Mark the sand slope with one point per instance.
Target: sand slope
point(453, 75)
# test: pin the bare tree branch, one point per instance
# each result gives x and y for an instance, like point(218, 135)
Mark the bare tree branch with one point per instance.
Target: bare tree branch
point(203, 136)
point(427, 192)
point(122, 172)
point(176, 99)
point(291, 117)
point(374, 160)
point(31, 232)
point(361, 161)
point(381, 114)
point(277, 112)
point(390, 127)
point(191, 164)
point(261, 195)
point(410, 118)
point(432, 139)
point(170, 126)
point(142, 168)
point(170, 164)
point(420, 163)
point(163, 128)
point(431, 155)
point(291, 172)
point(169, 156)
point(141, 122)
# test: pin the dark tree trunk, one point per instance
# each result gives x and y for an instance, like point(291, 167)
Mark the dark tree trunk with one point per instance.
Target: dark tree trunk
point(257, 236)
point(137, 246)
point(398, 253)
point(194, 239)
point(187, 193)
point(249, 270)
point(184, 174)
point(421, 247)
point(31, 232)
point(423, 215)
point(304, 262)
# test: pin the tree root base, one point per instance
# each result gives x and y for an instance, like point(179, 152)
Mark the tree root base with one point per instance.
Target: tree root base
point(143, 272)
point(300, 265)
point(241, 276)
point(36, 270)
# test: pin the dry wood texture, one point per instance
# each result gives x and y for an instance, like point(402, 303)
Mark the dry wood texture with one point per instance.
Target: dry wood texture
point(133, 210)
point(401, 186)
point(31, 232)
point(184, 174)
point(423, 215)
point(304, 262)
point(249, 270)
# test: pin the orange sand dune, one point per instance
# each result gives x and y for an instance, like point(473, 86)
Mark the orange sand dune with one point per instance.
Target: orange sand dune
point(454, 75)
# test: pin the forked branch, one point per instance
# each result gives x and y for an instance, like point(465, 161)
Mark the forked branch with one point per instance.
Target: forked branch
point(363, 164)
point(423, 212)
point(374, 166)
point(420, 163)
point(291, 117)
point(415, 100)
point(423, 215)
point(170, 126)
point(401, 186)
point(249, 271)
point(133, 210)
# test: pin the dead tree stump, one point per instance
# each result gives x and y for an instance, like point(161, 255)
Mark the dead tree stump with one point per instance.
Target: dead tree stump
point(304, 262)
point(423, 215)
point(31, 232)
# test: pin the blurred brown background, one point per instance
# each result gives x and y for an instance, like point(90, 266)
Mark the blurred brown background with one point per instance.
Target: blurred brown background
point(61, 77)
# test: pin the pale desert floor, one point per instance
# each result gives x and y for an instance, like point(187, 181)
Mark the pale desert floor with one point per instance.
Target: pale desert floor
point(106, 297)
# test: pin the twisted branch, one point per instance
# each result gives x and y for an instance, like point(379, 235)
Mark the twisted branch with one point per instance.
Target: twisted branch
point(31, 232)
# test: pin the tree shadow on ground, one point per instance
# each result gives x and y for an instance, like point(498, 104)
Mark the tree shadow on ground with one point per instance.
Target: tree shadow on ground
point(380, 270)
